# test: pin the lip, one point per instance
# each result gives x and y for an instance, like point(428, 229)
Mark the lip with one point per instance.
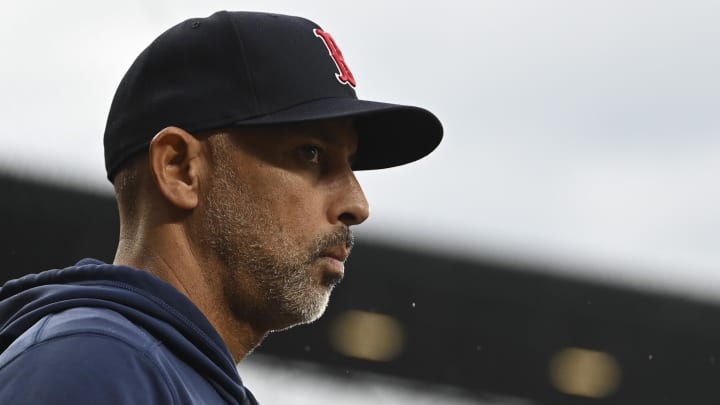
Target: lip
point(338, 254)
point(333, 266)
point(334, 262)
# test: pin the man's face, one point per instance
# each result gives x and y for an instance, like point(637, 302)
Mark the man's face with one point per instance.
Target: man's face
point(277, 215)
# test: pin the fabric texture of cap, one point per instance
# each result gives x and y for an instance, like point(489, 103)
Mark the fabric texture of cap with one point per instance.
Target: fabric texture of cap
point(236, 69)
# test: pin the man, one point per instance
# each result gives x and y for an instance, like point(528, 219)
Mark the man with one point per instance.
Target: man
point(231, 143)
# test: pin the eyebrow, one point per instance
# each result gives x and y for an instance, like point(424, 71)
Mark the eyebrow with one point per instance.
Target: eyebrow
point(331, 137)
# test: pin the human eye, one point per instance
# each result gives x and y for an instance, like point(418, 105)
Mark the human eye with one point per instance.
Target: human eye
point(310, 153)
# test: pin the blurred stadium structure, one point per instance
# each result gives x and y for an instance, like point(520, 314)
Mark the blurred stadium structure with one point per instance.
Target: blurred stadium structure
point(425, 328)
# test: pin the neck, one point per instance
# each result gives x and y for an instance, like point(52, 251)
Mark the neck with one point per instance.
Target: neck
point(166, 252)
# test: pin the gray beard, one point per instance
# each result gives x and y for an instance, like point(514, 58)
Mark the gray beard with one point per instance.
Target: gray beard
point(256, 255)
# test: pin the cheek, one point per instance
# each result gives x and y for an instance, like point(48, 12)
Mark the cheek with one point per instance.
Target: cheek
point(295, 205)
point(297, 209)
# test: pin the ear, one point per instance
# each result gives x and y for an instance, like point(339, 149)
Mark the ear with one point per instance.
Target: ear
point(175, 162)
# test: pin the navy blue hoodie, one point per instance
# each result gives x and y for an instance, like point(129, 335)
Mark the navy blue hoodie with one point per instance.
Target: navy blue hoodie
point(97, 333)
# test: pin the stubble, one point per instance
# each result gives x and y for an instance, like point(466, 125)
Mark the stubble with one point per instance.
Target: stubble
point(269, 276)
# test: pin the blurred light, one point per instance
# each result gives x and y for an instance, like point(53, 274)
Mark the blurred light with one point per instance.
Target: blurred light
point(367, 335)
point(584, 372)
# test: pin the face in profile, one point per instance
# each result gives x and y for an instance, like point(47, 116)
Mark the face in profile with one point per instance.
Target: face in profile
point(277, 216)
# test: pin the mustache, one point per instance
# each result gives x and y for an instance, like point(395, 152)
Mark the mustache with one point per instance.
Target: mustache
point(341, 237)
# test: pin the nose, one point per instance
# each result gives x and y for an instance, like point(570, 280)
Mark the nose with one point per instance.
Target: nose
point(350, 206)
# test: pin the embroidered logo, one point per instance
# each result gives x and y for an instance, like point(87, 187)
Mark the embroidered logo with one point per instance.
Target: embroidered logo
point(345, 76)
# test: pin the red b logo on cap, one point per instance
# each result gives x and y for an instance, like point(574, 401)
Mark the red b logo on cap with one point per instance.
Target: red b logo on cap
point(345, 76)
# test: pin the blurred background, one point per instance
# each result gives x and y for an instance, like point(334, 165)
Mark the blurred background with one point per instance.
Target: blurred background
point(558, 248)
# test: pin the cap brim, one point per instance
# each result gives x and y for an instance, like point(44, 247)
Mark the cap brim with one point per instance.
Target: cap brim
point(388, 134)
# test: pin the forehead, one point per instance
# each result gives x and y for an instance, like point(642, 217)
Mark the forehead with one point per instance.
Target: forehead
point(335, 132)
point(268, 143)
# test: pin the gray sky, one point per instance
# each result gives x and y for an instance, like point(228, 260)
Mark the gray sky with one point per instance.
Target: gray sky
point(578, 133)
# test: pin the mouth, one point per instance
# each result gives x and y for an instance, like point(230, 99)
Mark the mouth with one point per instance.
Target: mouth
point(333, 264)
point(338, 253)
point(333, 251)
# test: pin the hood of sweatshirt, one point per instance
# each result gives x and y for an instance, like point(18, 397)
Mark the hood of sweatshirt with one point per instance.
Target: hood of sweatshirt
point(139, 296)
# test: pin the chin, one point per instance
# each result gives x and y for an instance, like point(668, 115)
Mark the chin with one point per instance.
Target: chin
point(309, 311)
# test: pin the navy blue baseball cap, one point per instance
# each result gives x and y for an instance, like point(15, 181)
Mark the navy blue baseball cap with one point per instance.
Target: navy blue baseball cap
point(236, 69)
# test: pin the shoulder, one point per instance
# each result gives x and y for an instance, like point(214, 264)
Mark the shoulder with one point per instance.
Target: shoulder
point(97, 325)
point(83, 355)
